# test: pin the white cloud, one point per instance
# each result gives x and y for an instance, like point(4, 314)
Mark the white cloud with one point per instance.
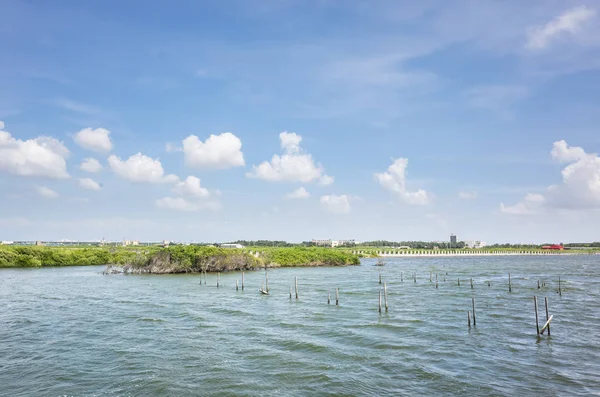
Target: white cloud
point(580, 187)
point(181, 204)
point(394, 180)
point(565, 154)
point(336, 204)
point(219, 151)
point(89, 184)
point(292, 166)
point(472, 195)
point(90, 165)
point(326, 180)
point(570, 22)
point(96, 140)
point(46, 192)
point(299, 193)
point(191, 187)
point(43, 156)
point(530, 205)
point(140, 168)
point(290, 142)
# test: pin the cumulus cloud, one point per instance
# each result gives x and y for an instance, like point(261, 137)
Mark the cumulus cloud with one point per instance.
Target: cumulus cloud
point(182, 204)
point(299, 193)
point(191, 187)
point(192, 196)
point(580, 187)
point(472, 195)
point(394, 180)
point(294, 165)
point(42, 157)
point(96, 140)
point(140, 168)
point(219, 151)
point(570, 22)
point(89, 184)
point(336, 204)
point(46, 192)
point(90, 165)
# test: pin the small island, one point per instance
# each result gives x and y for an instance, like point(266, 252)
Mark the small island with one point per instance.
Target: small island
point(174, 259)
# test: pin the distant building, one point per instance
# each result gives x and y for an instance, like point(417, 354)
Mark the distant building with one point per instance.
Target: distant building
point(227, 245)
point(39, 243)
point(7, 242)
point(333, 243)
point(130, 242)
point(557, 247)
point(452, 241)
point(475, 244)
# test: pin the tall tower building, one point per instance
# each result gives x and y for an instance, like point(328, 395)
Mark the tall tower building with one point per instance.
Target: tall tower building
point(452, 241)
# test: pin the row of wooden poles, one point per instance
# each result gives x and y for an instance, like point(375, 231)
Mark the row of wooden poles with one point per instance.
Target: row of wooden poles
point(414, 277)
point(537, 324)
point(383, 292)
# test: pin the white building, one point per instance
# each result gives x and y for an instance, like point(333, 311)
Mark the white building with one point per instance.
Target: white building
point(227, 245)
point(7, 242)
point(474, 244)
point(333, 243)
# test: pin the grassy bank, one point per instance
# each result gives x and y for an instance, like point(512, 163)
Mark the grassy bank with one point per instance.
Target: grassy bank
point(176, 259)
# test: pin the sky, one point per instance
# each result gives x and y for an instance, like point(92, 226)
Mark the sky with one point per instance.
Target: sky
point(298, 120)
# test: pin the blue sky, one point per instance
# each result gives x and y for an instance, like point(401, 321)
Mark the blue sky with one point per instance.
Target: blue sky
point(223, 120)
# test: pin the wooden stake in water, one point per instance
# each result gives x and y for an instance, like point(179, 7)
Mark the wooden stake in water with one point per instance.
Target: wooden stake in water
point(385, 296)
point(218, 278)
point(337, 296)
point(459, 281)
point(547, 316)
point(559, 290)
point(242, 281)
point(401, 277)
point(429, 276)
point(469, 318)
point(290, 293)
point(538, 284)
point(328, 296)
point(415, 277)
point(474, 320)
point(379, 278)
point(472, 288)
point(537, 320)
point(509, 284)
point(236, 284)
point(296, 282)
point(379, 301)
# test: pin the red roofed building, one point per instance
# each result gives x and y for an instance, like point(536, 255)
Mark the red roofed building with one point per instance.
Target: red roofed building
point(558, 247)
